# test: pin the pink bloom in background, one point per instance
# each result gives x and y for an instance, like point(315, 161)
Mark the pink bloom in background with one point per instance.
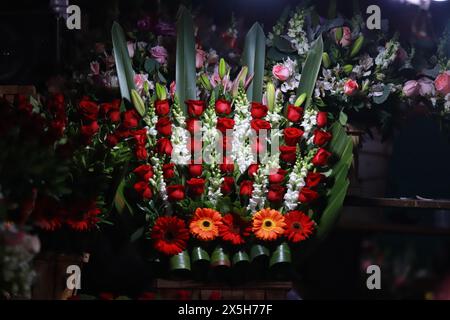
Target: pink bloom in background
point(426, 87)
point(200, 58)
point(139, 80)
point(350, 87)
point(131, 47)
point(281, 72)
point(442, 83)
point(95, 68)
point(159, 53)
point(173, 88)
point(346, 39)
point(411, 88)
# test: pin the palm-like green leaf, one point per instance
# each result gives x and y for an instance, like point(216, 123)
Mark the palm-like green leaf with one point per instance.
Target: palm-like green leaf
point(254, 58)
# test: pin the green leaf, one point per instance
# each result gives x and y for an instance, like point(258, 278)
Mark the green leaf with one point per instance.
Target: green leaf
point(258, 250)
point(384, 96)
point(283, 44)
point(119, 199)
point(185, 58)
point(282, 254)
point(137, 234)
point(240, 257)
point(199, 254)
point(180, 261)
point(124, 68)
point(311, 70)
point(254, 58)
point(343, 118)
point(220, 258)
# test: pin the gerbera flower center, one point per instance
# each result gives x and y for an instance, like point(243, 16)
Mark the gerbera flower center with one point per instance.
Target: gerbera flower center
point(206, 224)
point(268, 224)
point(296, 226)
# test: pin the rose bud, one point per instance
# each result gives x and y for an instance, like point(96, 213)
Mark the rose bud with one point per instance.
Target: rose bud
point(144, 172)
point(164, 126)
point(321, 157)
point(227, 185)
point(224, 124)
point(223, 106)
point(307, 195)
point(112, 140)
point(294, 114)
point(277, 177)
point(252, 169)
point(162, 107)
point(342, 36)
point(292, 136)
point(168, 170)
point(88, 109)
point(164, 146)
point(246, 188)
point(195, 170)
point(313, 179)
point(258, 110)
point(258, 124)
point(288, 153)
point(350, 87)
point(276, 193)
point(195, 107)
point(321, 137)
point(175, 192)
point(442, 83)
point(322, 119)
point(88, 130)
point(141, 153)
point(140, 136)
point(281, 72)
point(411, 88)
point(196, 186)
point(130, 119)
point(143, 189)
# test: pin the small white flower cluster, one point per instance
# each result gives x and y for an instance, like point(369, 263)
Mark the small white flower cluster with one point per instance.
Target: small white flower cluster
point(291, 83)
point(387, 54)
point(214, 184)
point(308, 123)
point(362, 69)
point(258, 198)
point(157, 181)
point(180, 137)
point(295, 183)
point(241, 149)
point(447, 103)
point(151, 119)
point(295, 31)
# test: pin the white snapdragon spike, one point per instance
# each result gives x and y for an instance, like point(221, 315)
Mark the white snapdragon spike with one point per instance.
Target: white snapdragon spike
point(259, 193)
point(387, 54)
point(180, 140)
point(214, 185)
point(308, 123)
point(241, 149)
point(296, 33)
point(157, 181)
point(447, 103)
point(151, 119)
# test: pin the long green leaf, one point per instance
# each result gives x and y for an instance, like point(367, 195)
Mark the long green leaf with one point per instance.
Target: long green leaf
point(282, 254)
point(125, 71)
point(254, 58)
point(311, 70)
point(185, 58)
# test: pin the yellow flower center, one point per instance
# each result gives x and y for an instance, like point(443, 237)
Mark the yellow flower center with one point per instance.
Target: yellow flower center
point(268, 224)
point(205, 224)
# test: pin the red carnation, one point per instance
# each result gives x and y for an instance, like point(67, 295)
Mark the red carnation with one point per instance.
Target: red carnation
point(321, 137)
point(292, 136)
point(143, 189)
point(144, 172)
point(164, 146)
point(164, 126)
point(162, 107)
point(223, 106)
point(175, 192)
point(252, 169)
point(294, 114)
point(313, 179)
point(195, 170)
point(258, 124)
point(276, 193)
point(234, 229)
point(227, 185)
point(288, 153)
point(307, 195)
point(246, 188)
point(277, 177)
point(195, 107)
point(258, 110)
point(321, 157)
point(170, 235)
point(130, 119)
point(196, 186)
point(89, 109)
point(224, 124)
point(298, 226)
point(169, 170)
point(322, 119)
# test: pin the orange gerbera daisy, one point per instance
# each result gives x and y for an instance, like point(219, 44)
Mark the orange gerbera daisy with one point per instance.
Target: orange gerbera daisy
point(205, 224)
point(298, 226)
point(268, 224)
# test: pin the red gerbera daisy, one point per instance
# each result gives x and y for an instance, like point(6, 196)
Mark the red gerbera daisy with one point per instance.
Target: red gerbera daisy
point(234, 229)
point(298, 226)
point(170, 235)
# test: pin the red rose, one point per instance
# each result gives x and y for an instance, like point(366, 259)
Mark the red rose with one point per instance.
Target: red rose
point(292, 136)
point(169, 170)
point(288, 153)
point(195, 170)
point(196, 146)
point(57, 127)
point(321, 157)
point(114, 116)
point(322, 119)
point(227, 166)
point(252, 169)
point(276, 193)
point(141, 153)
point(259, 147)
point(88, 130)
point(227, 185)
point(321, 137)
point(258, 124)
point(223, 106)
point(258, 110)
point(164, 146)
point(112, 140)
point(192, 125)
point(175, 192)
point(105, 108)
point(294, 114)
point(195, 107)
point(143, 189)
point(144, 172)
point(246, 188)
point(196, 186)
point(313, 179)
point(164, 126)
point(130, 119)
point(140, 136)
point(162, 107)
point(307, 195)
point(224, 124)
point(89, 109)
point(277, 177)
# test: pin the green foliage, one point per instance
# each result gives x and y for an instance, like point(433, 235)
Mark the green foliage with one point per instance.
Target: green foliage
point(254, 58)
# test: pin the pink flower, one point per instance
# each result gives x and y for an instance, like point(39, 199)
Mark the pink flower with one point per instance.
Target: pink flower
point(173, 88)
point(350, 87)
point(346, 39)
point(130, 47)
point(426, 87)
point(442, 83)
point(159, 54)
point(200, 58)
point(411, 88)
point(139, 81)
point(95, 68)
point(281, 72)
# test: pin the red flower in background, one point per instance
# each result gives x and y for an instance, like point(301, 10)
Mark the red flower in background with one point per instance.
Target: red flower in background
point(143, 189)
point(196, 186)
point(298, 226)
point(321, 157)
point(288, 153)
point(321, 137)
point(162, 107)
point(258, 110)
point(164, 146)
point(259, 124)
point(195, 107)
point(246, 188)
point(252, 169)
point(175, 192)
point(322, 119)
point(89, 130)
point(192, 125)
point(141, 153)
point(88, 109)
point(307, 195)
point(277, 177)
point(83, 216)
point(276, 193)
point(164, 126)
point(294, 114)
point(195, 170)
point(223, 106)
point(313, 179)
point(292, 136)
point(227, 185)
point(227, 166)
point(234, 229)
point(224, 124)
point(144, 172)
point(168, 170)
point(170, 235)
point(130, 119)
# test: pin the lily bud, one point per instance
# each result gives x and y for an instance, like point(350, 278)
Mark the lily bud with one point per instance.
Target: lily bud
point(270, 93)
point(222, 68)
point(138, 102)
point(160, 92)
point(339, 33)
point(348, 68)
point(326, 60)
point(205, 82)
point(300, 100)
point(357, 46)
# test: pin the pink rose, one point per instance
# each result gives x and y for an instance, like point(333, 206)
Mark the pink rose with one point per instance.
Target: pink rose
point(346, 39)
point(130, 47)
point(426, 87)
point(281, 72)
point(350, 87)
point(200, 58)
point(159, 54)
point(95, 68)
point(442, 83)
point(411, 88)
